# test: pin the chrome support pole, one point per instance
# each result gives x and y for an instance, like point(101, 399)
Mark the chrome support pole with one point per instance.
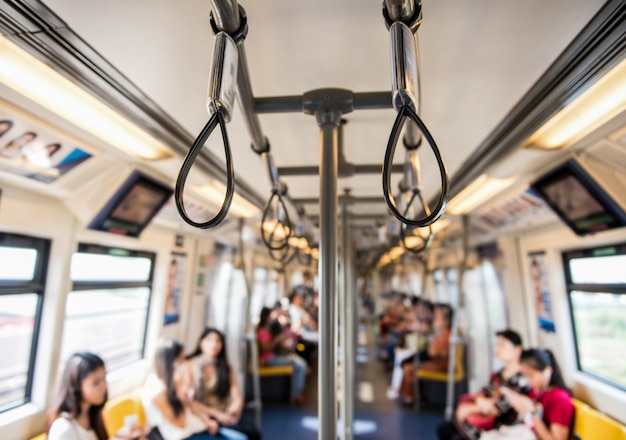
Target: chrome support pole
point(296, 104)
point(250, 337)
point(347, 334)
point(455, 324)
point(328, 119)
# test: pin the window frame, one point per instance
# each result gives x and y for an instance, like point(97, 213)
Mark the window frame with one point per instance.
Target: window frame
point(571, 286)
point(78, 286)
point(36, 285)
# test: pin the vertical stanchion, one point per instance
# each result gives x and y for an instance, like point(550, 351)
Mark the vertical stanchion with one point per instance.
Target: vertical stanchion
point(454, 335)
point(328, 119)
point(347, 334)
point(250, 336)
point(416, 358)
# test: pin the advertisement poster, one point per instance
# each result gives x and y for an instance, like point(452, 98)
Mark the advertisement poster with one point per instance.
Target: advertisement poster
point(30, 151)
point(541, 290)
point(176, 276)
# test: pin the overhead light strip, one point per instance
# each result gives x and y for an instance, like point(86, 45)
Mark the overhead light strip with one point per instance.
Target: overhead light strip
point(215, 191)
point(477, 192)
point(35, 80)
point(602, 101)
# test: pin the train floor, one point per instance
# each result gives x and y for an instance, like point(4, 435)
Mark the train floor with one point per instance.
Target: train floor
point(375, 417)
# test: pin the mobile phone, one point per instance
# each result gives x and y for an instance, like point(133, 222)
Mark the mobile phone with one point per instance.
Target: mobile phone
point(129, 421)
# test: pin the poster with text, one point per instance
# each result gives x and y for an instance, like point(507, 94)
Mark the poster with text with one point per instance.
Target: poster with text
point(175, 281)
point(541, 290)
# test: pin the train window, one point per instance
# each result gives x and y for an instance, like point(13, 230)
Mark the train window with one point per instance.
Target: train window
point(18, 264)
point(22, 282)
point(107, 309)
point(597, 296)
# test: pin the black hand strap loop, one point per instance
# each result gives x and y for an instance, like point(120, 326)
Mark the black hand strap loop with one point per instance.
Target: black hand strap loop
point(270, 240)
point(282, 256)
point(216, 119)
point(423, 246)
point(407, 112)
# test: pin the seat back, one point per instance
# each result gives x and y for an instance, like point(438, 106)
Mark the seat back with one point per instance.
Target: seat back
point(600, 426)
point(459, 368)
point(117, 409)
point(580, 417)
point(459, 363)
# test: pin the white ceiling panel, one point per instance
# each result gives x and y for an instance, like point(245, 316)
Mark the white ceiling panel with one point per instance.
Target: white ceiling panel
point(478, 58)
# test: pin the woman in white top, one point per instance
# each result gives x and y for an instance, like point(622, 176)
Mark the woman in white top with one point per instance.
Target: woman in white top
point(168, 402)
point(77, 413)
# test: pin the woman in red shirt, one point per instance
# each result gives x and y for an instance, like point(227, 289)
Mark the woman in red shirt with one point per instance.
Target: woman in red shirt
point(270, 336)
point(551, 412)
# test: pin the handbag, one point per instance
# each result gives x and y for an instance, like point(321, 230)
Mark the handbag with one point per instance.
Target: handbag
point(154, 434)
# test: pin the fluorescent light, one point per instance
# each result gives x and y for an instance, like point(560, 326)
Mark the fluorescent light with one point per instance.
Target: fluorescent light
point(279, 230)
point(30, 77)
point(395, 252)
point(594, 107)
point(315, 253)
point(298, 242)
point(477, 192)
point(438, 226)
point(215, 193)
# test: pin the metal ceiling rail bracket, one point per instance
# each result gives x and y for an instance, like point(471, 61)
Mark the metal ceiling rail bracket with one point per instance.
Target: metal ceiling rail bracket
point(354, 169)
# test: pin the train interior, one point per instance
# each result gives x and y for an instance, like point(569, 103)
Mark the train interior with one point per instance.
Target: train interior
point(526, 102)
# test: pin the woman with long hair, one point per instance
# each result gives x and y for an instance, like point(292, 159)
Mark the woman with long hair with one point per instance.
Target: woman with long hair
point(168, 401)
point(489, 409)
point(215, 384)
point(551, 412)
point(77, 412)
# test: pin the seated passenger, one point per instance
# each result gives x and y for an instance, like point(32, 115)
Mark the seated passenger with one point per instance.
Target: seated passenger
point(77, 412)
point(405, 354)
point(216, 385)
point(167, 399)
point(270, 337)
point(489, 409)
point(551, 412)
point(438, 352)
point(302, 324)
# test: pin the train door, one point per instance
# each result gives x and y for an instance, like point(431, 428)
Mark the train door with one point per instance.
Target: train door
point(485, 313)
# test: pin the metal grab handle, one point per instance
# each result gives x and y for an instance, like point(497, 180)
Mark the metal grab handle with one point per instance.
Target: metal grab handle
point(286, 224)
point(403, 227)
point(216, 119)
point(407, 112)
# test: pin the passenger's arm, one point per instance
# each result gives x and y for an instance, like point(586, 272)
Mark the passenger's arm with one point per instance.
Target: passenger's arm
point(207, 413)
point(236, 400)
point(554, 432)
point(131, 433)
point(269, 344)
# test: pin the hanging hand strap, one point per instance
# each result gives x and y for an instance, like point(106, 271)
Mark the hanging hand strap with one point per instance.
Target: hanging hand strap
point(216, 119)
point(407, 112)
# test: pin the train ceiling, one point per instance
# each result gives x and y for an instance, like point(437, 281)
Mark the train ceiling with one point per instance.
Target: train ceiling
point(478, 60)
